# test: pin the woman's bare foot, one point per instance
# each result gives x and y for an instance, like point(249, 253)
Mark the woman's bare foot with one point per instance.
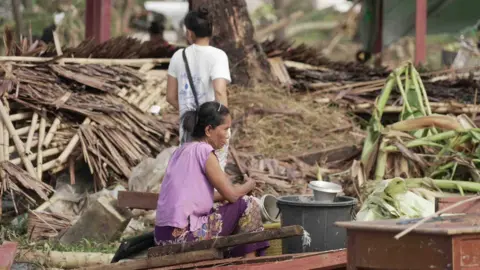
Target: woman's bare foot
point(251, 255)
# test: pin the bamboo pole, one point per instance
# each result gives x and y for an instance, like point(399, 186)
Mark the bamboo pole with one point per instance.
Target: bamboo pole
point(20, 116)
point(16, 140)
point(51, 132)
point(56, 41)
point(71, 145)
point(6, 136)
point(25, 130)
point(2, 144)
point(64, 260)
point(2, 158)
point(11, 149)
point(126, 62)
point(435, 109)
point(50, 165)
point(41, 137)
point(28, 144)
point(46, 153)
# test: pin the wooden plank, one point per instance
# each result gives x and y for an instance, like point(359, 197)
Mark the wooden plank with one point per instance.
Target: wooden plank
point(138, 200)
point(229, 241)
point(228, 261)
point(173, 259)
point(467, 208)
point(240, 260)
point(7, 254)
point(328, 260)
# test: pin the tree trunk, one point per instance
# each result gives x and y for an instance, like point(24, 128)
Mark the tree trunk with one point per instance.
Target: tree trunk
point(17, 17)
point(28, 4)
point(279, 6)
point(233, 33)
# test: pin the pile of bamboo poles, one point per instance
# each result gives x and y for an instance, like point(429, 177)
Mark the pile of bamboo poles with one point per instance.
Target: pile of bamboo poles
point(46, 112)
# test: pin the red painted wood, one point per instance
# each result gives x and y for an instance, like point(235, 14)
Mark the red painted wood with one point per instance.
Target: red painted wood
point(379, 37)
point(466, 208)
point(98, 20)
point(420, 32)
point(325, 261)
point(7, 254)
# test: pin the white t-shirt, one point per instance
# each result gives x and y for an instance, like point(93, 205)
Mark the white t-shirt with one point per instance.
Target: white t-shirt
point(206, 64)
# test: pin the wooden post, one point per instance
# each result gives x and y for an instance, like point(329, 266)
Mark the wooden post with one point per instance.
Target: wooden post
point(98, 19)
point(420, 32)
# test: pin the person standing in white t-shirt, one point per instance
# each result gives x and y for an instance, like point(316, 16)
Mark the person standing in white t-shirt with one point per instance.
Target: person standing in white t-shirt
point(209, 70)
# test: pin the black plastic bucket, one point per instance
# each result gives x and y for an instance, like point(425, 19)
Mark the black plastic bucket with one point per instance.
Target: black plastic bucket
point(317, 218)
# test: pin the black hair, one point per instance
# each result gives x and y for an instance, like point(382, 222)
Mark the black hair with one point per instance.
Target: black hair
point(199, 22)
point(156, 28)
point(47, 35)
point(210, 113)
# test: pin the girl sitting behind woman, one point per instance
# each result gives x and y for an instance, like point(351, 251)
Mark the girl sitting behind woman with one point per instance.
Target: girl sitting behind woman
point(188, 208)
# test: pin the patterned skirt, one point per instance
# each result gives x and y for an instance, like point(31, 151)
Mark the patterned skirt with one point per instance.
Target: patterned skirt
point(225, 219)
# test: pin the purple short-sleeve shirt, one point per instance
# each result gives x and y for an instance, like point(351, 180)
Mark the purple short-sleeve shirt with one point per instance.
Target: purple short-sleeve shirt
point(186, 194)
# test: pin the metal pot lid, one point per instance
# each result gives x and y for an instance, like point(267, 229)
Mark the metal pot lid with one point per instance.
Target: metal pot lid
point(325, 186)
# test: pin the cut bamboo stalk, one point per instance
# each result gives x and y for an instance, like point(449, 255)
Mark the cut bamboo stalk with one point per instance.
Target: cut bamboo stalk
point(435, 109)
point(28, 144)
point(25, 130)
point(16, 140)
point(41, 137)
point(6, 137)
point(11, 149)
point(2, 144)
point(71, 145)
point(46, 153)
point(2, 158)
point(20, 116)
point(56, 41)
point(51, 132)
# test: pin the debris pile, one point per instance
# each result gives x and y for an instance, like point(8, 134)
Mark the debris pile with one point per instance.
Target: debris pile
point(122, 47)
point(43, 106)
point(272, 123)
point(430, 151)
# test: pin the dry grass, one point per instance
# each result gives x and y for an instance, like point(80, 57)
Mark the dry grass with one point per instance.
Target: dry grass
point(277, 135)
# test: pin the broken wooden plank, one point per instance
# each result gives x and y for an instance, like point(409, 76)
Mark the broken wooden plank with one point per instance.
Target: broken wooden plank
point(173, 259)
point(7, 254)
point(138, 200)
point(229, 241)
point(336, 259)
point(238, 261)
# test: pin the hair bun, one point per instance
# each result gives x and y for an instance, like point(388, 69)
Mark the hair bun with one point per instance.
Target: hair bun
point(203, 12)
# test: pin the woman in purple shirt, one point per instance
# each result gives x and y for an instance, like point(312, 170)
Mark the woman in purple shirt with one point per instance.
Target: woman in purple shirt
point(188, 208)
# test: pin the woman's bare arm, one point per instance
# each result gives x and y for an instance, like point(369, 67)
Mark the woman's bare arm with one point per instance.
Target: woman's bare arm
point(225, 188)
point(172, 91)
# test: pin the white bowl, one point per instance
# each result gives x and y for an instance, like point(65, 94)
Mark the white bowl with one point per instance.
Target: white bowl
point(324, 191)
